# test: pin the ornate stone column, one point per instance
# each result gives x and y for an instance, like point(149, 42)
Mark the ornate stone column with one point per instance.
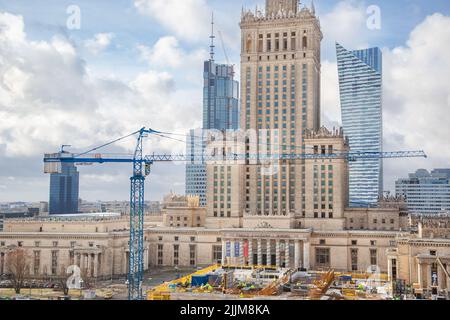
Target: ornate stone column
point(306, 247)
point(96, 265)
point(428, 275)
point(250, 252)
point(420, 275)
point(277, 252)
point(224, 252)
point(268, 253)
point(389, 266)
point(297, 254)
point(441, 278)
point(259, 252)
point(286, 254)
point(448, 279)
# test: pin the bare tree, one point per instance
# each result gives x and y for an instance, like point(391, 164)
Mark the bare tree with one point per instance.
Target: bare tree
point(18, 266)
point(62, 279)
point(87, 280)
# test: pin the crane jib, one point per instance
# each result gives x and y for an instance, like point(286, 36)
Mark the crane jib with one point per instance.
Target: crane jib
point(141, 168)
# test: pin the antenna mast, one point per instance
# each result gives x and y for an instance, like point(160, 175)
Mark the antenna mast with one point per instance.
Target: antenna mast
point(212, 37)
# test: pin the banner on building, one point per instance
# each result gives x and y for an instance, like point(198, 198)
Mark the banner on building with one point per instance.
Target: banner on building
point(228, 249)
point(236, 249)
point(246, 249)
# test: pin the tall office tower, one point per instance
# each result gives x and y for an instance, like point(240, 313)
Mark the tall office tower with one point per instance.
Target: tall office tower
point(220, 97)
point(220, 112)
point(425, 192)
point(196, 170)
point(280, 86)
point(64, 188)
point(360, 84)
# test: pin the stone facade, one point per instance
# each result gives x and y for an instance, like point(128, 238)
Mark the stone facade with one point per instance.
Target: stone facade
point(99, 246)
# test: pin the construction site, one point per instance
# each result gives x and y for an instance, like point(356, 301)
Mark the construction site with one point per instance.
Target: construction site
point(232, 282)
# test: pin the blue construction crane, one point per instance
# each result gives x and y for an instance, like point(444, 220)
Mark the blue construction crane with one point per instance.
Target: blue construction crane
point(141, 169)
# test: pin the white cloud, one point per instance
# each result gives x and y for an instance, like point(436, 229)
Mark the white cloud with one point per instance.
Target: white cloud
point(47, 97)
point(167, 53)
point(188, 19)
point(346, 24)
point(11, 29)
point(99, 43)
point(416, 106)
point(331, 111)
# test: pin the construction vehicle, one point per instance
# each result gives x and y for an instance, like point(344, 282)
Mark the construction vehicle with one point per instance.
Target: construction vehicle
point(321, 286)
point(141, 169)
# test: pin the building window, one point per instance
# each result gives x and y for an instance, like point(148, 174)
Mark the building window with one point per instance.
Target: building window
point(176, 254)
point(192, 239)
point(354, 258)
point(323, 257)
point(192, 255)
point(373, 257)
point(322, 241)
point(160, 254)
point(354, 242)
point(71, 257)
point(36, 262)
point(54, 262)
point(2, 262)
point(394, 269)
point(176, 238)
point(217, 254)
point(55, 243)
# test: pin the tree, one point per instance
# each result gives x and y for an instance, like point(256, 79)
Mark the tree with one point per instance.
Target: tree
point(62, 279)
point(18, 266)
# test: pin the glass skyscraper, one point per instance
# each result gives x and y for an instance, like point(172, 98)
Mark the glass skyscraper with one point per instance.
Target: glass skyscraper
point(220, 112)
point(220, 97)
point(360, 84)
point(64, 188)
point(425, 192)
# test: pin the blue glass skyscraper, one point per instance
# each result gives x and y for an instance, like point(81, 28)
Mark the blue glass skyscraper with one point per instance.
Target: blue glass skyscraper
point(64, 189)
point(360, 84)
point(220, 97)
point(220, 112)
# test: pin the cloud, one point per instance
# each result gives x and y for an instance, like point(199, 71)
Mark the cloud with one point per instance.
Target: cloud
point(187, 19)
point(416, 95)
point(167, 52)
point(346, 24)
point(331, 111)
point(49, 97)
point(99, 43)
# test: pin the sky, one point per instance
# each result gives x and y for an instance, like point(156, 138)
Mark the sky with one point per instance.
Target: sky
point(86, 79)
